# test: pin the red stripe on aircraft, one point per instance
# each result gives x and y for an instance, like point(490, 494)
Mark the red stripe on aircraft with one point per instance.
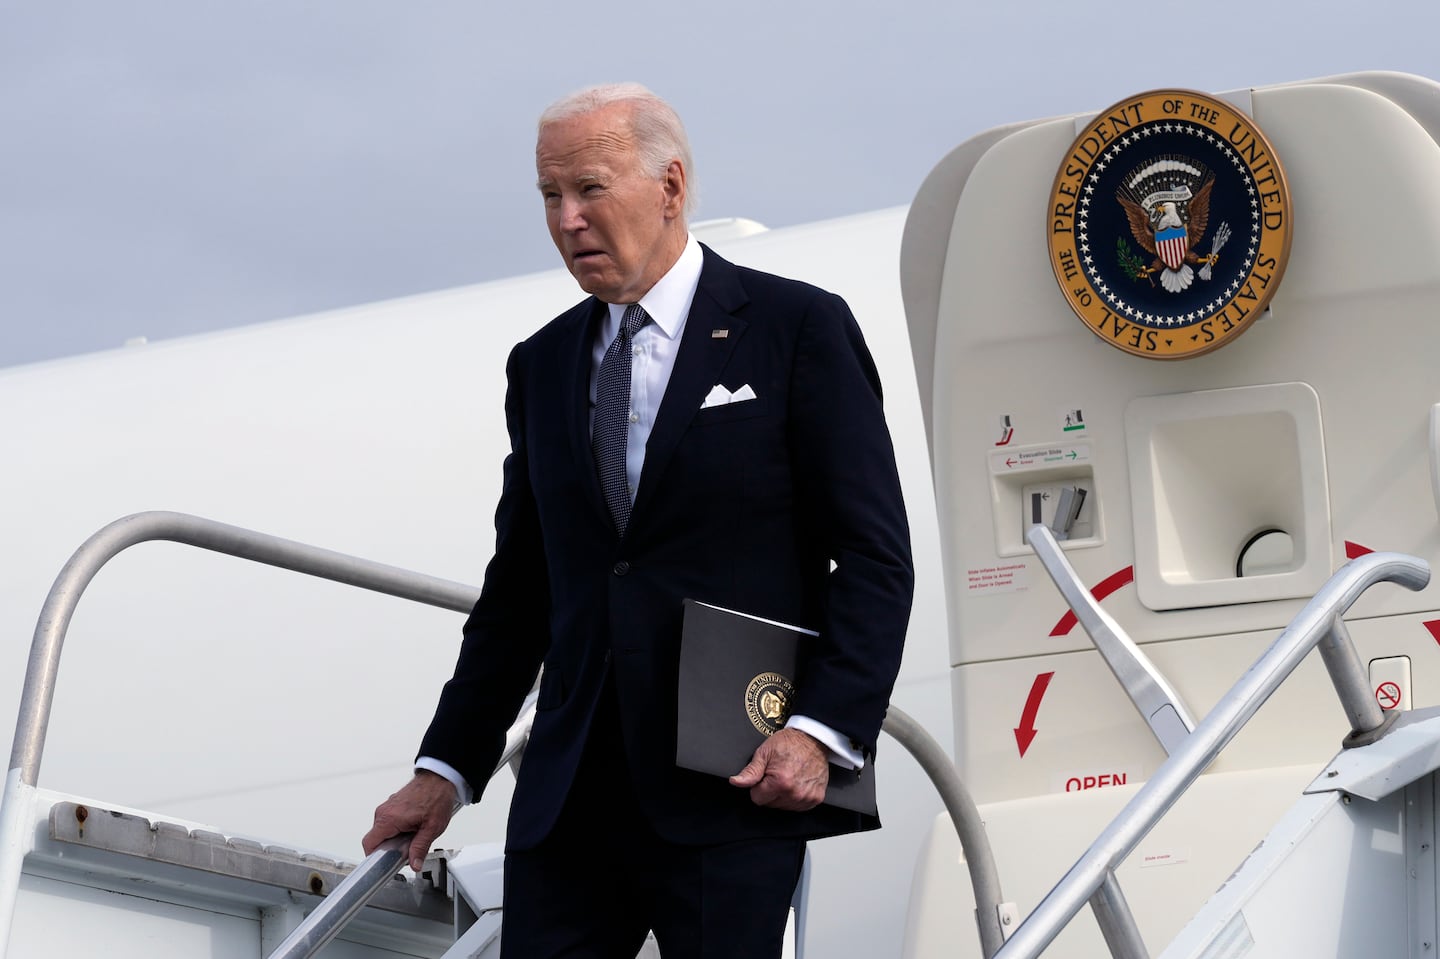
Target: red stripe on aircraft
point(1434, 626)
point(1355, 550)
point(1102, 589)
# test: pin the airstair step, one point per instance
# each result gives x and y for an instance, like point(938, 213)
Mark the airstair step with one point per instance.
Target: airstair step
point(240, 858)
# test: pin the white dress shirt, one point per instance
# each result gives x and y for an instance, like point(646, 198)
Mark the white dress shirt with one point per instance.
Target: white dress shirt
point(653, 351)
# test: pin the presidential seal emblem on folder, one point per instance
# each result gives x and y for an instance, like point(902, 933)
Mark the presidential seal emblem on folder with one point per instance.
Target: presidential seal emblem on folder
point(767, 701)
point(1169, 224)
point(737, 682)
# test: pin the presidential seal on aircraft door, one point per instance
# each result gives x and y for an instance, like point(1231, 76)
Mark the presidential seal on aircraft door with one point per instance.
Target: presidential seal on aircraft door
point(1169, 224)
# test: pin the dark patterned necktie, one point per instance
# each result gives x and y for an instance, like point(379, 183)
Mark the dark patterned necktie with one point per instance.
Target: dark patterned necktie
point(612, 417)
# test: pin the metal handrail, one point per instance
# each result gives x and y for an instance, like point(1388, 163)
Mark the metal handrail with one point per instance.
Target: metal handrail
point(1315, 625)
point(1149, 691)
point(1117, 924)
point(965, 816)
point(367, 879)
point(34, 719)
point(345, 900)
point(207, 534)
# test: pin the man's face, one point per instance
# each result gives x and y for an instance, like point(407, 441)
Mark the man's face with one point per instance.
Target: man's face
point(617, 226)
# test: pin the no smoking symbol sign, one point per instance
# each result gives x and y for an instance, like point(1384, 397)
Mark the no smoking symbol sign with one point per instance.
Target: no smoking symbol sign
point(1387, 695)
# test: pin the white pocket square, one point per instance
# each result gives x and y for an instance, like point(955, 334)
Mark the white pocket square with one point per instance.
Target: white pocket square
point(720, 396)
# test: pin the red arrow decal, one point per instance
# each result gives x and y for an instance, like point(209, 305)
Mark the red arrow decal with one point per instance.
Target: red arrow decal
point(1025, 732)
point(1355, 550)
point(1434, 626)
point(1102, 589)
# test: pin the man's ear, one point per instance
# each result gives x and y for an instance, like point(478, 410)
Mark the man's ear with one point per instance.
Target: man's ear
point(673, 183)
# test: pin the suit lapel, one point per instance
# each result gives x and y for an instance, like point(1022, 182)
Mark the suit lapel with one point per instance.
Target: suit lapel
point(698, 364)
point(579, 364)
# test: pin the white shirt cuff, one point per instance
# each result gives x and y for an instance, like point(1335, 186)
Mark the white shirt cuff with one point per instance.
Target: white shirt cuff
point(842, 753)
point(464, 795)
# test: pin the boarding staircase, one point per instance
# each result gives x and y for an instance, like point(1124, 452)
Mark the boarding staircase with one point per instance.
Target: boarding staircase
point(451, 909)
point(1350, 870)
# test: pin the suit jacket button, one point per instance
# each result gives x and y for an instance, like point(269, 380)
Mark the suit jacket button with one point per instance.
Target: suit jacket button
point(621, 568)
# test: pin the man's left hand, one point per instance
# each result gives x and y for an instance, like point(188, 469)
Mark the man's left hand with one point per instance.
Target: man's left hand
point(789, 771)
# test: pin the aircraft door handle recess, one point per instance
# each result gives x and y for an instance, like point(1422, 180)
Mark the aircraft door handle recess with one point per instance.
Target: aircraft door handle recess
point(1152, 695)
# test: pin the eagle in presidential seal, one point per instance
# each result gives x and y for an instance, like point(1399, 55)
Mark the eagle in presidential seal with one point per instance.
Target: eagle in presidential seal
point(1169, 224)
point(1167, 202)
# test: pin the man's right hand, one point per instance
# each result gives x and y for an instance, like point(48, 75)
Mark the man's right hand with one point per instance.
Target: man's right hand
point(423, 806)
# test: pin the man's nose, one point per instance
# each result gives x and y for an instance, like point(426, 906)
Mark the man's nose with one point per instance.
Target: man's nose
point(571, 219)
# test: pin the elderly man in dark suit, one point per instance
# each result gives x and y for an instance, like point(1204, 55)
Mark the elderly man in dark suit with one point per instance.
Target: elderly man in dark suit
point(693, 429)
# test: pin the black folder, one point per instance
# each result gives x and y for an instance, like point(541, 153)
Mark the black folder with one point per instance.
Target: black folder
point(737, 681)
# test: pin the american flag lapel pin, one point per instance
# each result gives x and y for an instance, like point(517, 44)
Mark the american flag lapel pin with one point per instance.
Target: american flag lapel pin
point(719, 334)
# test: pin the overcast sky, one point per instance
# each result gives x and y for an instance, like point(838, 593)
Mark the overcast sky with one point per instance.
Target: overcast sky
point(170, 168)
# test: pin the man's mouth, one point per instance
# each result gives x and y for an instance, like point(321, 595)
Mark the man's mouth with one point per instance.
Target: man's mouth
point(580, 255)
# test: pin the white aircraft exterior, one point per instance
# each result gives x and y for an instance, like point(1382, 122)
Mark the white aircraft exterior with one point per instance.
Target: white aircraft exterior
point(203, 689)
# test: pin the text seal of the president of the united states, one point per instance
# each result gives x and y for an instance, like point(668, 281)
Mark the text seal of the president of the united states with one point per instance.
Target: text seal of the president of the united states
point(1169, 224)
point(767, 701)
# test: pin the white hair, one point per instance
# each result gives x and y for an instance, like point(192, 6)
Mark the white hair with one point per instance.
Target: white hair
point(659, 134)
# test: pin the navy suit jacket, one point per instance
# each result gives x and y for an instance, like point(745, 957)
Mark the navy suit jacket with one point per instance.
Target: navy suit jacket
point(786, 506)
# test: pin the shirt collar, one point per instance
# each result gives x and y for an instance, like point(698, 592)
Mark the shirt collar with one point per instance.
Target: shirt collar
point(668, 301)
